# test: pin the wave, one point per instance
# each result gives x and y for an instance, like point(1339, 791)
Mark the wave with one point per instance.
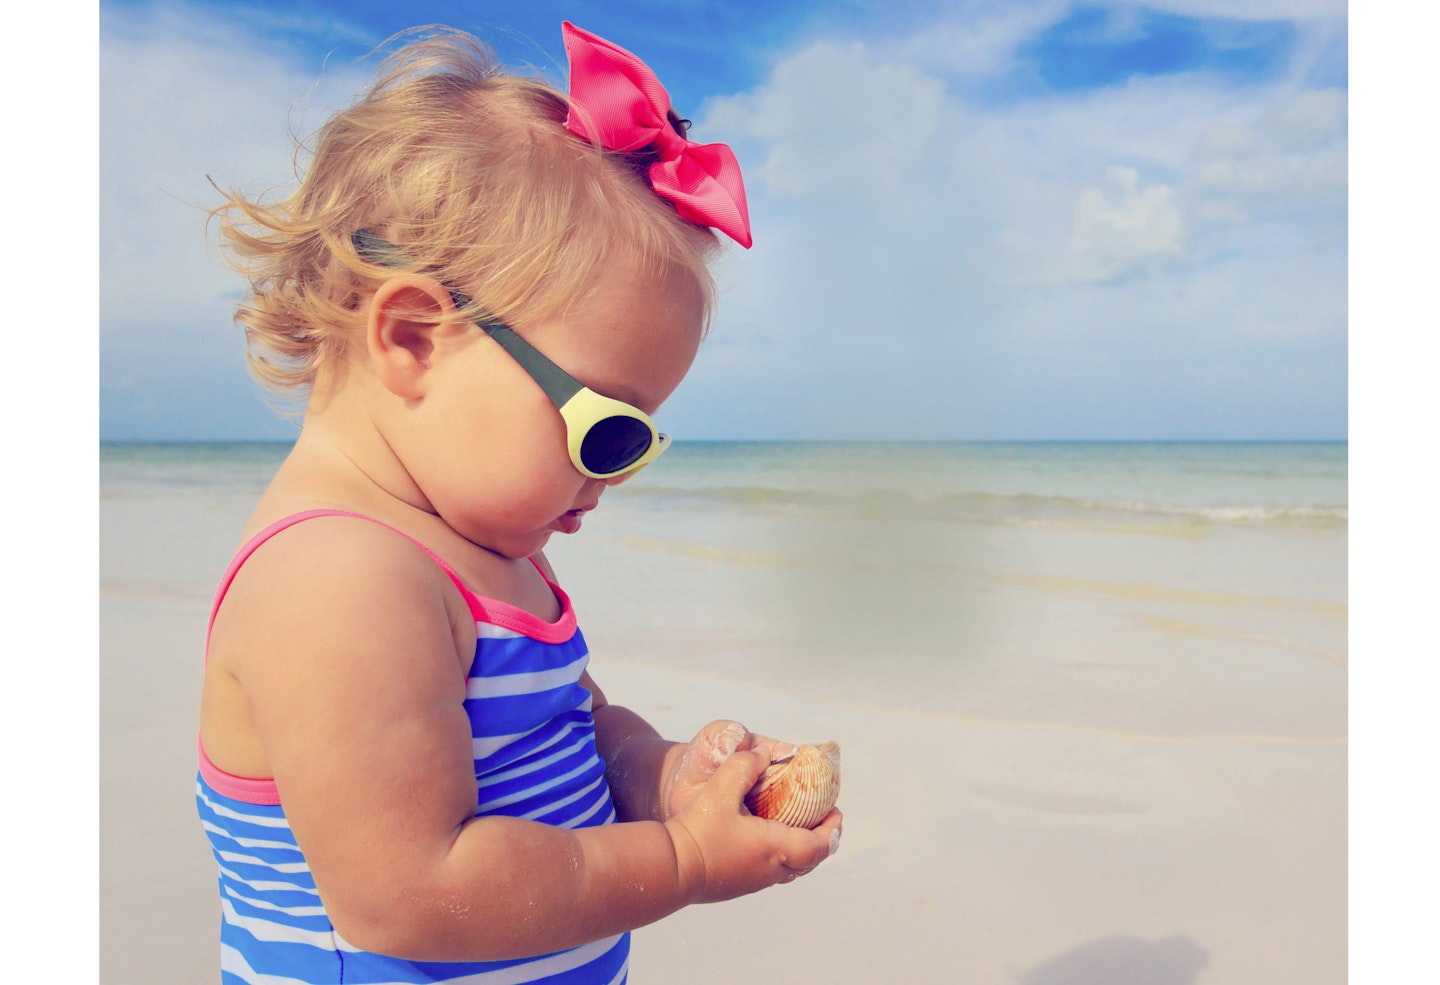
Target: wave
point(990, 508)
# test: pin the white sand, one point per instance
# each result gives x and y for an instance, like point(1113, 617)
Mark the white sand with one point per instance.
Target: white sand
point(1083, 758)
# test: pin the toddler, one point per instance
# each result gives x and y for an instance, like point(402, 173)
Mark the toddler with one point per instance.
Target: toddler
point(483, 288)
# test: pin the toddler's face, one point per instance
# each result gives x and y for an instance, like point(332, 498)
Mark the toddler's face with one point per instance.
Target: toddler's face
point(499, 470)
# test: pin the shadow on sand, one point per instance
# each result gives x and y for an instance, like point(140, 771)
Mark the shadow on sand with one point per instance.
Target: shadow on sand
point(1122, 961)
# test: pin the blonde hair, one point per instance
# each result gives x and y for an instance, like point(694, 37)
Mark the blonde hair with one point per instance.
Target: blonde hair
point(470, 172)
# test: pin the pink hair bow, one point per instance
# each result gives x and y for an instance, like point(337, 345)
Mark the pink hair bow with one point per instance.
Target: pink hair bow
point(618, 96)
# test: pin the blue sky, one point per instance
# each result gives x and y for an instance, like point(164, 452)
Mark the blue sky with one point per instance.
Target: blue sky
point(974, 219)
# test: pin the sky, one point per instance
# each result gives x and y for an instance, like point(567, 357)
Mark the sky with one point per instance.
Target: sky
point(973, 220)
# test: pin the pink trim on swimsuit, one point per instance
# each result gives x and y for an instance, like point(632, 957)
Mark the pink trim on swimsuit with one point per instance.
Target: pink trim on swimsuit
point(494, 612)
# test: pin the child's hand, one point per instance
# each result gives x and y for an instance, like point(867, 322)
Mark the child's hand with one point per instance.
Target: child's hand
point(714, 744)
point(724, 851)
point(711, 746)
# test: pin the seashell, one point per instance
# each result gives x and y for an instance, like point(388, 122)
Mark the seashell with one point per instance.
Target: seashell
point(800, 789)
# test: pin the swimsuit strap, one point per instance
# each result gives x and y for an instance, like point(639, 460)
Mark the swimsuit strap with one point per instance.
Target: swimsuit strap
point(482, 609)
point(492, 611)
point(477, 609)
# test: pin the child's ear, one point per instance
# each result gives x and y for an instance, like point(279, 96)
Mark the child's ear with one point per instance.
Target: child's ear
point(409, 315)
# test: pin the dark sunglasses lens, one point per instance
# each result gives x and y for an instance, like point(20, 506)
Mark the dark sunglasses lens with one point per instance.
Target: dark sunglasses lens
point(614, 443)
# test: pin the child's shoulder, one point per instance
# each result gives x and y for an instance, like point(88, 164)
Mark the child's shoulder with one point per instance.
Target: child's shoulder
point(336, 578)
point(330, 545)
point(325, 615)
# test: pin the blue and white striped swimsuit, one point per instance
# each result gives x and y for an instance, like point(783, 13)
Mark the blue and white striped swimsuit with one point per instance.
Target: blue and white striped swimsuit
point(535, 757)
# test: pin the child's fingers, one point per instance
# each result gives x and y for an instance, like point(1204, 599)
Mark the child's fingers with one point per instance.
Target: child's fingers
point(774, 748)
point(725, 737)
point(714, 743)
point(804, 850)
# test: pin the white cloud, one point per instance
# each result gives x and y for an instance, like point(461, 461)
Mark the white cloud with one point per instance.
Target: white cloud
point(978, 42)
point(1113, 236)
point(183, 98)
point(888, 115)
point(1293, 155)
point(1255, 10)
point(1043, 267)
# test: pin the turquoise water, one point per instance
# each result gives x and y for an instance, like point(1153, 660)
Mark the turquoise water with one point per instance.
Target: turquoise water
point(1117, 482)
point(879, 570)
point(1253, 484)
point(145, 466)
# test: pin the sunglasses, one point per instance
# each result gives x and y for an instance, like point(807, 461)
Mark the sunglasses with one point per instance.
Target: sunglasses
point(606, 437)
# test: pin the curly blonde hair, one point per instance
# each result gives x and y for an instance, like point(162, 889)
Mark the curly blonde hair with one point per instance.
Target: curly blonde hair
point(470, 171)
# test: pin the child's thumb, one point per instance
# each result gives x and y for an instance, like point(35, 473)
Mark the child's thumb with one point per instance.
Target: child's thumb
point(734, 777)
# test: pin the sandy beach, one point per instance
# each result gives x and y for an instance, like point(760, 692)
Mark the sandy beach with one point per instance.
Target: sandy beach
point(1072, 755)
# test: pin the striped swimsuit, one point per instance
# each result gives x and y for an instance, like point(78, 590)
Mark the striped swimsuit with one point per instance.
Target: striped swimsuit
point(535, 757)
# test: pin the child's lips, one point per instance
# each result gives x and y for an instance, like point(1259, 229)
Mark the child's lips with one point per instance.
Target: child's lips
point(568, 523)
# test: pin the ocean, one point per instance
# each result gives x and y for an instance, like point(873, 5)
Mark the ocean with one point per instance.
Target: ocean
point(1148, 485)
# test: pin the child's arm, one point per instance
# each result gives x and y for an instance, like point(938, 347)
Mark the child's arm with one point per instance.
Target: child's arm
point(350, 648)
point(639, 763)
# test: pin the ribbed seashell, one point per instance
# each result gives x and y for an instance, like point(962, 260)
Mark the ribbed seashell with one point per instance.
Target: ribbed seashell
point(800, 789)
